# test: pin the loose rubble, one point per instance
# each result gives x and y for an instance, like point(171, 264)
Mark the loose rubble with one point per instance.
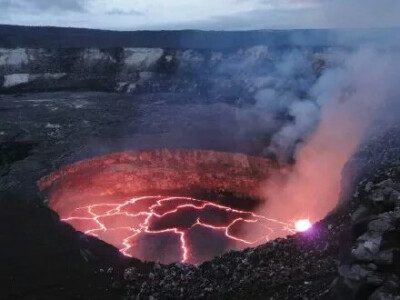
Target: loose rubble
point(372, 268)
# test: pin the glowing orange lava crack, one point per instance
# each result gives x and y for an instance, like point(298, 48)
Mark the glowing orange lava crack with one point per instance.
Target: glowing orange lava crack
point(150, 209)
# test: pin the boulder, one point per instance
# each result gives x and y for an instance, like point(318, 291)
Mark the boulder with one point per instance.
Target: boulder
point(367, 247)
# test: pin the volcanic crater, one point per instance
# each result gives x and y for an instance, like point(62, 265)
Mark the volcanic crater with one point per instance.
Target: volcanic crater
point(167, 205)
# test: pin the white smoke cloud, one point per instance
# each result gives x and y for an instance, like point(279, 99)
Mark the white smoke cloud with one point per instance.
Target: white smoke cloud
point(353, 100)
point(305, 114)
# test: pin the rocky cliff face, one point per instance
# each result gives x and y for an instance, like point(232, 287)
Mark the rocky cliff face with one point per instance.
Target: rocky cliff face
point(222, 74)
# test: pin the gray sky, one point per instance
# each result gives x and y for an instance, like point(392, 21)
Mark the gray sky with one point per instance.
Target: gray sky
point(201, 14)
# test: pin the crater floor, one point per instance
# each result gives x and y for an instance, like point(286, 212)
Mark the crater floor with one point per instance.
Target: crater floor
point(108, 197)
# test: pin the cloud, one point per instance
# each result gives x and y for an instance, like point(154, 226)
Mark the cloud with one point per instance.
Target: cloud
point(267, 18)
point(206, 15)
point(288, 14)
point(292, 14)
point(42, 5)
point(120, 12)
point(360, 13)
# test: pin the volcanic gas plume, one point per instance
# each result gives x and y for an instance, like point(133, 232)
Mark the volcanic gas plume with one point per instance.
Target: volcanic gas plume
point(348, 104)
point(115, 199)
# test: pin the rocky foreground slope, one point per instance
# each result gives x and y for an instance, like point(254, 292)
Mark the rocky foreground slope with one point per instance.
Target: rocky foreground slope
point(300, 267)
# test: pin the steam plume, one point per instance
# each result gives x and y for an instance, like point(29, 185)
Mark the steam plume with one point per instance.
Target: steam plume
point(347, 103)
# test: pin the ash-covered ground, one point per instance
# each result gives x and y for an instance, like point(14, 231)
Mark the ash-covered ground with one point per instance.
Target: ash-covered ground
point(43, 258)
point(41, 132)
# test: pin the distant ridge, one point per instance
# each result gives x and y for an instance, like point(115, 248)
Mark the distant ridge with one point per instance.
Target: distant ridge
point(12, 36)
point(58, 37)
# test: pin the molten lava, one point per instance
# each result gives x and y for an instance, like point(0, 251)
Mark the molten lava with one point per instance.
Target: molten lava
point(302, 225)
point(107, 197)
point(130, 222)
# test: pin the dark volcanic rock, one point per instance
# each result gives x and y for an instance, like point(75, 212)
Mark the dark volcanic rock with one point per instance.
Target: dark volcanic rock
point(45, 259)
point(373, 270)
